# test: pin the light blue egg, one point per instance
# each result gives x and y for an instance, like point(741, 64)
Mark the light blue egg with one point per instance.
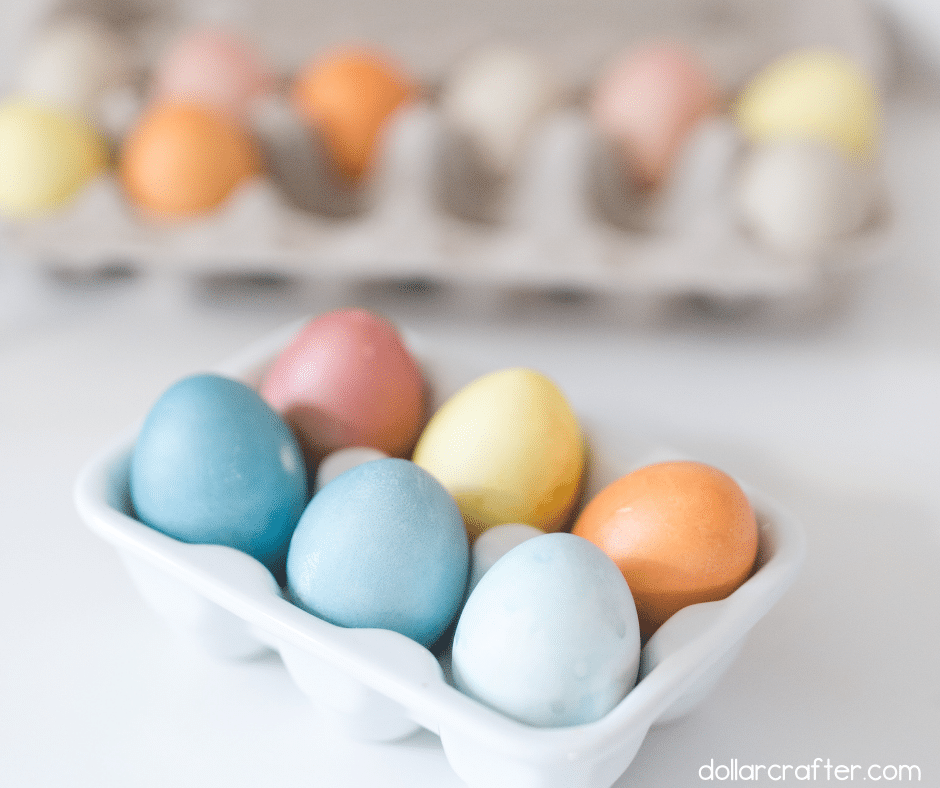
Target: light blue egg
point(382, 545)
point(214, 464)
point(550, 635)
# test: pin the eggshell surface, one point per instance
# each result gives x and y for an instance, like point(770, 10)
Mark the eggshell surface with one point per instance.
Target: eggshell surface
point(349, 97)
point(509, 449)
point(495, 97)
point(681, 532)
point(347, 379)
point(549, 636)
point(71, 65)
point(383, 546)
point(799, 195)
point(493, 544)
point(338, 462)
point(812, 94)
point(647, 102)
point(213, 464)
point(213, 66)
point(183, 160)
point(46, 157)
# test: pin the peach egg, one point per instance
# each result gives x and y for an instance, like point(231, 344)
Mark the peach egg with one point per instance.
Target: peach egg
point(681, 532)
point(647, 102)
point(213, 66)
point(348, 97)
point(182, 159)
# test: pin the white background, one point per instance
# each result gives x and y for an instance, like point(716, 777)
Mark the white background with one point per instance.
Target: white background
point(833, 411)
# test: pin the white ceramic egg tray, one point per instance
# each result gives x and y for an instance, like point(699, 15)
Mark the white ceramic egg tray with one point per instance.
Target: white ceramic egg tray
point(551, 230)
point(378, 685)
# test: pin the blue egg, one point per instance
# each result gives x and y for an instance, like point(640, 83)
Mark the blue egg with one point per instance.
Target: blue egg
point(214, 464)
point(382, 545)
point(550, 635)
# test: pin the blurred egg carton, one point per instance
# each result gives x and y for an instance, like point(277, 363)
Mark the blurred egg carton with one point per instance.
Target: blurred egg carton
point(378, 685)
point(561, 221)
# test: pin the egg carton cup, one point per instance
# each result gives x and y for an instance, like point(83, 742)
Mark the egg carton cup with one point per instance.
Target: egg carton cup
point(553, 224)
point(378, 685)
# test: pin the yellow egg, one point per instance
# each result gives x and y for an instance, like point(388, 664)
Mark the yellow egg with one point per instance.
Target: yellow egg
point(509, 449)
point(821, 95)
point(46, 156)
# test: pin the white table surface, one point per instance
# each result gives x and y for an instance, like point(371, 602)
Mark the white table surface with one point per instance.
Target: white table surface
point(836, 413)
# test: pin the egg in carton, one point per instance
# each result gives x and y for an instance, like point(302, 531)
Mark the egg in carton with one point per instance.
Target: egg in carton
point(471, 184)
point(375, 684)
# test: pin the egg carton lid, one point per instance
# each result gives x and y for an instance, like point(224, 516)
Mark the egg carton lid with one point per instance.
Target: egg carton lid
point(551, 239)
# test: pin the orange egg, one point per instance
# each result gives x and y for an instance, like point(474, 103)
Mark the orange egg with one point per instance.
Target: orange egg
point(681, 532)
point(348, 97)
point(184, 159)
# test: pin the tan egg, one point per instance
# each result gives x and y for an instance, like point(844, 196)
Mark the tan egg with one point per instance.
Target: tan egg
point(348, 97)
point(681, 532)
point(183, 160)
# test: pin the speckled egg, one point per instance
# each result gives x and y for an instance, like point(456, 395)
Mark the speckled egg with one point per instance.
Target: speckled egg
point(382, 545)
point(681, 532)
point(549, 636)
point(213, 464)
point(509, 449)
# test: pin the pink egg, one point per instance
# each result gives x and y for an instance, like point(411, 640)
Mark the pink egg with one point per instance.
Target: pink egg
point(213, 66)
point(347, 379)
point(647, 102)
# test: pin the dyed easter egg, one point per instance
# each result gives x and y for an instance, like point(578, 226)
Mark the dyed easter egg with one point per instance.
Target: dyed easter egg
point(46, 157)
point(183, 160)
point(382, 546)
point(493, 544)
point(798, 195)
point(72, 64)
point(549, 636)
point(215, 67)
point(681, 532)
point(495, 97)
point(815, 94)
point(347, 379)
point(509, 449)
point(348, 97)
point(213, 464)
point(647, 102)
point(338, 462)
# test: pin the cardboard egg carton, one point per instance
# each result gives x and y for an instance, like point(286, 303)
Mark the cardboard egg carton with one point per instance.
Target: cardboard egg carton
point(563, 219)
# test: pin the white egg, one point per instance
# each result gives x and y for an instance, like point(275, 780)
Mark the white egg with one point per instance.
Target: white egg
point(798, 195)
point(493, 544)
point(338, 462)
point(550, 635)
point(71, 65)
point(495, 97)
